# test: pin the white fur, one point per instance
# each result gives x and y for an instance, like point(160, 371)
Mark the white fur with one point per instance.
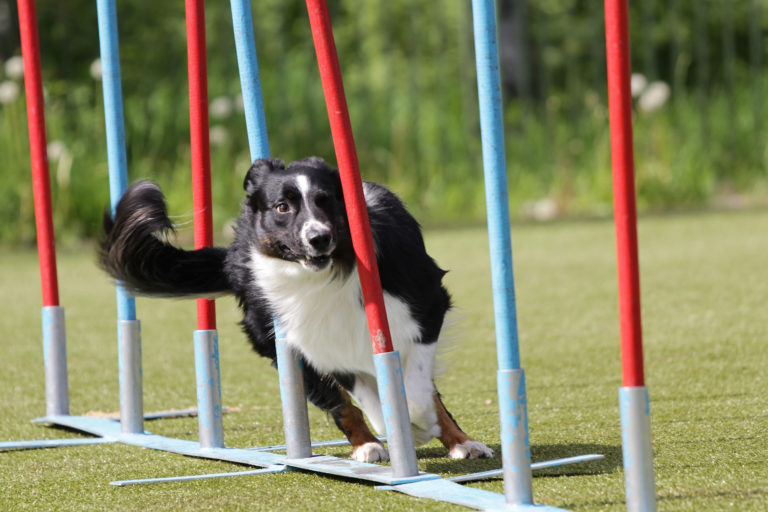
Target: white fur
point(312, 224)
point(470, 450)
point(366, 394)
point(323, 315)
point(420, 392)
point(371, 452)
point(303, 183)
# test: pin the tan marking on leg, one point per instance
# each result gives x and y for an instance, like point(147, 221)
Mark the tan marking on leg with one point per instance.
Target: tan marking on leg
point(350, 420)
point(450, 433)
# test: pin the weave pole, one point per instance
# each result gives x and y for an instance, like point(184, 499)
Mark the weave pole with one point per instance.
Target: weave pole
point(128, 327)
point(515, 449)
point(292, 393)
point(54, 333)
point(206, 337)
point(388, 368)
point(634, 403)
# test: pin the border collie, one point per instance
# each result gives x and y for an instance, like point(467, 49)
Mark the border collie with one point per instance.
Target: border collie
point(292, 259)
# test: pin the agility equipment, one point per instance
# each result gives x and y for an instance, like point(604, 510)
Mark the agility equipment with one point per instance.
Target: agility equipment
point(634, 402)
point(403, 475)
point(54, 335)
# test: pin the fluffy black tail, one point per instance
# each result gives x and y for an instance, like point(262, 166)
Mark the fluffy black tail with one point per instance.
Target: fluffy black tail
point(136, 252)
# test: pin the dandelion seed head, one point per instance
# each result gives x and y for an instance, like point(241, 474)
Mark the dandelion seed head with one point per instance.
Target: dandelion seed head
point(654, 97)
point(218, 135)
point(14, 67)
point(95, 69)
point(9, 91)
point(221, 107)
point(56, 149)
point(637, 83)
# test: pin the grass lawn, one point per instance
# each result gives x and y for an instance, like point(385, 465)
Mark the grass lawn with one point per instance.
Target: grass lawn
point(705, 312)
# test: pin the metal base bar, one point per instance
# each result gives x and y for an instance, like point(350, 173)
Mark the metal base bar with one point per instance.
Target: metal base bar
point(208, 389)
point(55, 360)
point(272, 469)
point(389, 375)
point(52, 443)
point(151, 416)
point(347, 468)
point(451, 492)
point(317, 444)
point(634, 405)
point(493, 473)
point(424, 485)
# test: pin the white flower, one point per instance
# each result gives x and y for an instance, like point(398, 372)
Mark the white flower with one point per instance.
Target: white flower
point(637, 84)
point(654, 97)
point(541, 210)
point(96, 69)
point(218, 135)
point(56, 149)
point(9, 91)
point(221, 107)
point(14, 67)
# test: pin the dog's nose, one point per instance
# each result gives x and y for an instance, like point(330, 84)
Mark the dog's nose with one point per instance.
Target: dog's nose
point(320, 241)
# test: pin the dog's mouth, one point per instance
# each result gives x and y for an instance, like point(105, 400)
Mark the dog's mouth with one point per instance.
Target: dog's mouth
point(316, 263)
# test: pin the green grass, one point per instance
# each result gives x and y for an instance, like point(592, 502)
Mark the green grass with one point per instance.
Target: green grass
point(704, 299)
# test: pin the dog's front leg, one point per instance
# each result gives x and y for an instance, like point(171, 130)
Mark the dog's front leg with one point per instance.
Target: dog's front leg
point(420, 391)
point(365, 447)
point(459, 444)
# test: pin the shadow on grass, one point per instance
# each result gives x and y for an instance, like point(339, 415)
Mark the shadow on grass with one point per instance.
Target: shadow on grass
point(433, 460)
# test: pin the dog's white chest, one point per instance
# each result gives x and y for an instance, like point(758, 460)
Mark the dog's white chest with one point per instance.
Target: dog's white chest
point(325, 319)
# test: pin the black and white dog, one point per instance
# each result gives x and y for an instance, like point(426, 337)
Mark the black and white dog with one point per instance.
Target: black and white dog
point(292, 259)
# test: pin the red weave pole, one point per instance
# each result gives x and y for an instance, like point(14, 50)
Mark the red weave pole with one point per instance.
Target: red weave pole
point(41, 181)
point(198, 135)
point(625, 216)
point(344, 144)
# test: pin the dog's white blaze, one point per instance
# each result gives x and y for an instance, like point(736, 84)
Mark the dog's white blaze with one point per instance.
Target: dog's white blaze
point(303, 183)
point(324, 317)
point(312, 224)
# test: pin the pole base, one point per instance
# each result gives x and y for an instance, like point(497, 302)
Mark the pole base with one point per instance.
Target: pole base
point(634, 405)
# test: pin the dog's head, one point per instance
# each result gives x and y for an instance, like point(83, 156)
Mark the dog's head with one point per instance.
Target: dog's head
point(297, 212)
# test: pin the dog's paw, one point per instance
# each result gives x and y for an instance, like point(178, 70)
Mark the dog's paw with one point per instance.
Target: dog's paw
point(470, 449)
point(370, 452)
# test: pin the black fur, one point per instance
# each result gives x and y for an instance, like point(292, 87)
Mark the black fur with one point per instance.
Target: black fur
point(136, 251)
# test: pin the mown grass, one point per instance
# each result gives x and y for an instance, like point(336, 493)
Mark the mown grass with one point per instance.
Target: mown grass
point(704, 296)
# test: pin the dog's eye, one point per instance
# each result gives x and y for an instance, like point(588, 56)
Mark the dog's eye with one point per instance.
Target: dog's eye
point(321, 201)
point(282, 207)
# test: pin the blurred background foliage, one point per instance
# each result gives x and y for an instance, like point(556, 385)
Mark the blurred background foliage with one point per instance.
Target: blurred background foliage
point(408, 68)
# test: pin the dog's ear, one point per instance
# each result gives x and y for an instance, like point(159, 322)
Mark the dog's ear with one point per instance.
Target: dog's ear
point(258, 171)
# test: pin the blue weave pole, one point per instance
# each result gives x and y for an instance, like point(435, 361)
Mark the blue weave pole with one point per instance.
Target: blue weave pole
point(129, 334)
point(295, 418)
point(250, 82)
point(516, 454)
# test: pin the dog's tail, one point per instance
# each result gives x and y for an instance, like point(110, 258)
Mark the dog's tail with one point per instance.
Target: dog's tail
point(137, 253)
